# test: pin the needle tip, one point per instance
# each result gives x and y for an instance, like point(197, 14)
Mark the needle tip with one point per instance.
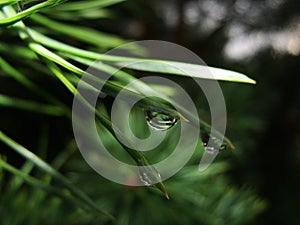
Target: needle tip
point(167, 196)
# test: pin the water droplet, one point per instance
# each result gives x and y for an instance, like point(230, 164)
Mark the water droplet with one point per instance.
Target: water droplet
point(222, 145)
point(144, 178)
point(149, 175)
point(211, 150)
point(159, 121)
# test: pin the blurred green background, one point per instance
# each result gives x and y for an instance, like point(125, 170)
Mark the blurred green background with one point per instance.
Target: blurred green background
point(256, 183)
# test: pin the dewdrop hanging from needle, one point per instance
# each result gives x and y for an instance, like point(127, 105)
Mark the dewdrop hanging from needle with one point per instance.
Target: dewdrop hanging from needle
point(149, 176)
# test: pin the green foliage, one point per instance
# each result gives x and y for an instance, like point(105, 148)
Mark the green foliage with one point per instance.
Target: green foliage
point(37, 189)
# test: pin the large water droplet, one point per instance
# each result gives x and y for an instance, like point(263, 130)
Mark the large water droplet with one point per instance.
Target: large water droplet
point(149, 175)
point(159, 121)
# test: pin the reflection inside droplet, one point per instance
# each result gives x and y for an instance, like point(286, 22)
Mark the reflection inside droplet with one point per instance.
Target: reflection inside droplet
point(159, 121)
point(149, 175)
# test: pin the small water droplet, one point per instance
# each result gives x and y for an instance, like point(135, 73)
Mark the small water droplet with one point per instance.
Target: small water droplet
point(159, 121)
point(215, 141)
point(211, 150)
point(149, 175)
